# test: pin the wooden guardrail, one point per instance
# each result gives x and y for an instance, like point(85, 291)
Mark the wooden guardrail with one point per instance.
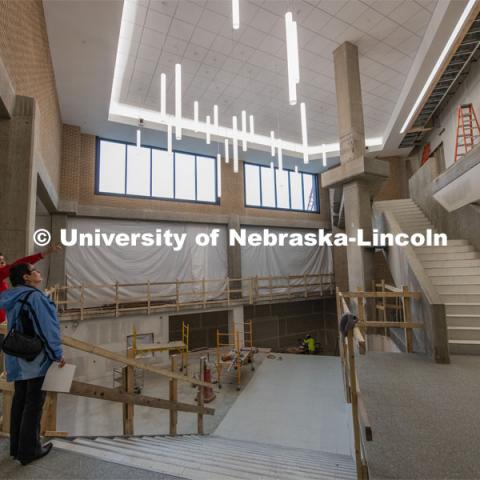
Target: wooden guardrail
point(124, 394)
point(80, 301)
point(355, 341)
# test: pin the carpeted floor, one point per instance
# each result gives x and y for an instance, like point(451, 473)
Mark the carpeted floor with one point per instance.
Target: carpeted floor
point(425, 417)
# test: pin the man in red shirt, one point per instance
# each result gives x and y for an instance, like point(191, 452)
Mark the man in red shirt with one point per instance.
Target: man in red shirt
point(5, 268)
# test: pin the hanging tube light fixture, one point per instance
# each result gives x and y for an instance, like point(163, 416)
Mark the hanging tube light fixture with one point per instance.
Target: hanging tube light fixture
point(303, 121)
point(324, 155)
point(219, 175)
point(227, 152)
point(195, 115)
point(208, 129)
point(235, 143)
point(272, 143)
point(178, 101)
point(169, 138)
point(215, 116)
point(236, 14)
point(292, 57)
point(163, 94)
point(252, 125)
point(244, 130)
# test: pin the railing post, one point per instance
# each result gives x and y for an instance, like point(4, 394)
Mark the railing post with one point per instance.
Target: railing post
point(82, 300)
point(354, 400)
point(361, 310)
point(177, 295)
point(49, 414)
point(149, 297)
point(406, 319)
point(173, 397)
point(128, 373)
point(116, 300)
point(200, 396)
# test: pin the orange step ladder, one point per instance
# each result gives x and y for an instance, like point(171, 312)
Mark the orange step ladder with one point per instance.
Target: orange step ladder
point(468, 131)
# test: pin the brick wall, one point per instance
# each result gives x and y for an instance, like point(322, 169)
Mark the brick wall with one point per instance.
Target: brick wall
point(25, 52)
point(232, 201)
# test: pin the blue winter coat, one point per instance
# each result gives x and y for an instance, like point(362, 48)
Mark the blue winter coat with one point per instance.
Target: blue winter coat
point(43, 313)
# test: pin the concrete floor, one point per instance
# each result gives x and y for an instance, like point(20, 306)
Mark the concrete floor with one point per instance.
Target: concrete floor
point(425, 416)
point(88, 417)
point(296, 402)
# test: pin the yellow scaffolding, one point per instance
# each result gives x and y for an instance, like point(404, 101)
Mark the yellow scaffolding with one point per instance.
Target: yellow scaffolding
point(179, 346)
point(236, 356)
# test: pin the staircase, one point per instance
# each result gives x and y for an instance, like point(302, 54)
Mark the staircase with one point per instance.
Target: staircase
point(455, 272)
point(213, 457)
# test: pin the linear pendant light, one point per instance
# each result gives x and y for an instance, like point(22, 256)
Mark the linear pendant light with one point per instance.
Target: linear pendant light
point(324, 155)
point(303, 120)
point(236, 14)
point(163, 94)
point(215, 116)
point(280, 157)
point(208, 129)
point(272, 144)
point(244, 130)
point(252, 125)
point(139, 138)
point(178, 101)
point(195, 115)
point(272, 166)
point(219, 175)
point(292, 57)
point(235, 143)
point(227, 152)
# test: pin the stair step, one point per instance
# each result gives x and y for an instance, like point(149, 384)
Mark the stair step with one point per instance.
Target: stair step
point(456, 280)
point(443, 249)
point(460, 289)
point(465, 320)
point(453, 272)
point(445, 255)
point(460, 298)
point(464, 333)
point(464, 347)
point(442, 263)
point(460, 308)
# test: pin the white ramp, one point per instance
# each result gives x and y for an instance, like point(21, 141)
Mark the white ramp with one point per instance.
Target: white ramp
point(295, 402)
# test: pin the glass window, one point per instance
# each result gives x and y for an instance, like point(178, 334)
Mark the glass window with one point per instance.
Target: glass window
point(152, 172)
point(268, 187)
point(185, 176)
point(283, 195)
point(111, 172)
point(138, 171)
point(206, 177)
point(296, 194)
point(252, 185)
point(309, 193)
point(271, 188)
point(162, 174)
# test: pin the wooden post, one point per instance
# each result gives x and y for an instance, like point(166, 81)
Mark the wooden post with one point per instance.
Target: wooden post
point(200, 396)
point(116, 300)
point(129, 386)
point(82, 301)
point(149, 297)
point(49, 414)
point(177, 295)
point(173, 397)
point(361, 311)
point(406, 318)
point(354, 400)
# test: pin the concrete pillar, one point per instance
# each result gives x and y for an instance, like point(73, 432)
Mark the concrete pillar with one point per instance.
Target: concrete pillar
point(236, 323)
point(359, 175)
point(19, 179)
point(57, 274)
point(234, 258)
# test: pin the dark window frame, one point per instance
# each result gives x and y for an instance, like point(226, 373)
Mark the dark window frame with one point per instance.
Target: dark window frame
point(150, 197)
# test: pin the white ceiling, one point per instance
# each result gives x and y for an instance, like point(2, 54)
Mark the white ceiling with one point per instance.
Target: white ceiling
point(246, 69)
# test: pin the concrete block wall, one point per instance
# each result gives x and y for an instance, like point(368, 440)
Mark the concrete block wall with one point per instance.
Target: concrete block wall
point(280, 325)
point(25, 52)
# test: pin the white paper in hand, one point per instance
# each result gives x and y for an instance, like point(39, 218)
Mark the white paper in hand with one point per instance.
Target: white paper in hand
point(59, 379)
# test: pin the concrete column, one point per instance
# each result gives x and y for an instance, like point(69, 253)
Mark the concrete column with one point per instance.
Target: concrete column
point(57, 262)
point(19, 179)
point(236, 323)
point(360, 176)
point(234, 257)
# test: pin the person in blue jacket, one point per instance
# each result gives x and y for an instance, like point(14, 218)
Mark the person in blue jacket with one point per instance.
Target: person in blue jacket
point(28, 376)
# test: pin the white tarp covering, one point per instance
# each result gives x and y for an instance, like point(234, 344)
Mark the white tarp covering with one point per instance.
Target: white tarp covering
point(285, 260)
point(139, 264)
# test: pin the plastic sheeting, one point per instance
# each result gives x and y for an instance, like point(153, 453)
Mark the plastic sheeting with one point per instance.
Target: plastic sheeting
point(285, 260)
point(139, 264)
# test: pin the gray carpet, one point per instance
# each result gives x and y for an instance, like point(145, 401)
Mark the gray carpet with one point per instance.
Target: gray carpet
point(59, 464)
point(425, 417)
